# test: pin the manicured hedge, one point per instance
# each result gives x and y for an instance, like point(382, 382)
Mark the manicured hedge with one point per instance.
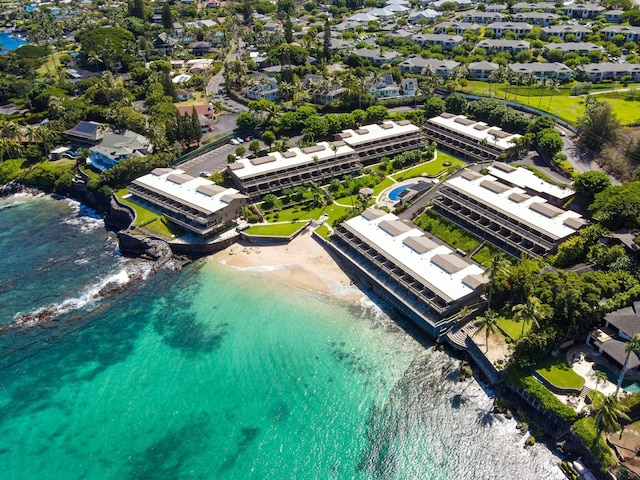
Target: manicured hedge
point(524, 381)
point(632, 402)
point(585, 428)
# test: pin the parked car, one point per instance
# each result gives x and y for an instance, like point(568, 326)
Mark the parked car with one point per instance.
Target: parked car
point(239, 140)
point(205, 174)
point(248, 138)
point(233, 141)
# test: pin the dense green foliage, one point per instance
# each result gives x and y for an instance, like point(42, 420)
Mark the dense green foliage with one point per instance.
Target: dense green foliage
point(618, 206)
point(585, 428)
point(525, 382)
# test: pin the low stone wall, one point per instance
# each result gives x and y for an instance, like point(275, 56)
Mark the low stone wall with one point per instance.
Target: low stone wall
point(120, 216)
point(202, 249)
point(553, 388)
point(270, 239)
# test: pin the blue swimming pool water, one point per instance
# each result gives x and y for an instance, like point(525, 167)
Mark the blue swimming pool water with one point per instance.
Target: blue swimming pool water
point(628, 385)
point(395, 193)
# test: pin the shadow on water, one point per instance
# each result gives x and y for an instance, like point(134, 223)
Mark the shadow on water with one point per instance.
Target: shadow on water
point(177, 325)
point(247, 436)
point(74, 348)
point(169, 456)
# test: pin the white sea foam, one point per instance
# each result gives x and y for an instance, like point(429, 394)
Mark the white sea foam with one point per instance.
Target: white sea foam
point(85, 220)
point(87, 298)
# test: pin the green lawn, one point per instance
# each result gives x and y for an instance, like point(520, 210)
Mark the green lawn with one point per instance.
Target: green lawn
point(431, 168)
point(558, 373)
point(512, 327)
point(323, 231)
point(447, 231)
point(275, 229)
point(149, 220)
point(561, 104)
point(348, 200)
point(386, 183)
point(301, 212)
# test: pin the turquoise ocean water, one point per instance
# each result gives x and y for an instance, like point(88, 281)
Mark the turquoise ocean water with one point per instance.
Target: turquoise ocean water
point(212, 373)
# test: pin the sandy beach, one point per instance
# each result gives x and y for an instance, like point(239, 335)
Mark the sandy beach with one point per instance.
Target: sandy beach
point(303, 263)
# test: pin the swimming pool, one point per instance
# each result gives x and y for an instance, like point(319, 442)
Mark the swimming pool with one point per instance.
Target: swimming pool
point(395, 193)
point(629, 385)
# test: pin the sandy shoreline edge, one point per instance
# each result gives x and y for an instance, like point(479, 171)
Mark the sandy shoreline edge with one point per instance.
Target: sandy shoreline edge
point(302, 263)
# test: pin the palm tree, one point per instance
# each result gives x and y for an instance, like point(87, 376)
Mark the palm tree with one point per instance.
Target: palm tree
point(499, 265)
point(600, 376)
point(94, 58)
point(608, 413)
point(488, 321)
point(285, 88)
point(554, 86)
point(632, 346)
point(529, 312)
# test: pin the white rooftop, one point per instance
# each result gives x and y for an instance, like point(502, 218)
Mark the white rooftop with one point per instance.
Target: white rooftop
point(449, 286)
point(373, 132)
point(476, 130)
point(518, 206)
point(181, 78)
point(184, 188)
point(524, 178)
point(276, 161)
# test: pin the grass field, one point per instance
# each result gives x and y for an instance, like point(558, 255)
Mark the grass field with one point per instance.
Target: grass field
point(558, 373)
point(512, 327)
point(561, 104)
point(485, 255)
point(275, 229)
point(302, 213)
point(386, 183)
point(149, 220)
point(431, 168)
point(323, 231)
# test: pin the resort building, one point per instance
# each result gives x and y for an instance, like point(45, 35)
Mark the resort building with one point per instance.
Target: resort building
point(532, 7)
point(611, 339)
point(561, 31)
point(580, 48)
point(118, 146)
point(275, 172)
point(583, 10)
point(481, 70)
point(506, 215)
point(372, 142)
point(415, 272)
point(416, 64)
point(476, 16)
point(196, 204)
point(469, 138)
point(631, 33)
point(541, 19)
point(442, 39)
point(519, 29)
point(543, 70)
point(513, 46)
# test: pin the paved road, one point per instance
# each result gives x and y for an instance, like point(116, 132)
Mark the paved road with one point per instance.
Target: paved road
point(213, 161)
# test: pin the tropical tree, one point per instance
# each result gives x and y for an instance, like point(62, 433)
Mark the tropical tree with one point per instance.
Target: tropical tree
point(632, 346)
point(488, 321)
point(599, 376)
point(499, 265)
point(553, 84)
point(608, 412)
point(531, 312)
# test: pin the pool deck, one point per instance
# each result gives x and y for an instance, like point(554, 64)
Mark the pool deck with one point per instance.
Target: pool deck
point(582, 359)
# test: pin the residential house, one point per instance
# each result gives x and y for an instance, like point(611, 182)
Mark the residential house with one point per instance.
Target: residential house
point(362, 18)
point(416, 64)
point(481, 70)
point(495, 7)
point(583, 10)
point(409, 87)
point(331, 94)
point(513, 46)
point(561, 31)
point(116, 147)
point(427, 15)
point(199, 65)
point(631, 33)
point(200, 49)
point(536, 18)
point(377, 57)
point(532, 7)
point(613, 16)
point(385, 88)
point(611, 339)
point(178, 29)
point(484, 18)
point(382, 13)
point(86, 133)
point(267, 89)
point(184, 94)
point(520, 29)
point(164, 43)
point(457, 28)
point(597, 72)
point(447, 42)
point(543, 70)
point(579, 47)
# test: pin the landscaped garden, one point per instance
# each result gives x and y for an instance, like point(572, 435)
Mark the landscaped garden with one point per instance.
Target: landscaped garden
point(431, 168)
point(512, 327)
point(557, 372)
point(275, 229)
point(148, 220)
point(447, 231)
